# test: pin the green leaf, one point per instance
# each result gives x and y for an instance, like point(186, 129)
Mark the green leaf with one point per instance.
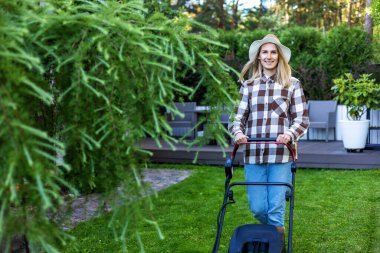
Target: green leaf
point(38, 92)
point(41, 189)
point(27, 155)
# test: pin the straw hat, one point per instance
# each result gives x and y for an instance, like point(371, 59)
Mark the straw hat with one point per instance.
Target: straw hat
point(270, 38)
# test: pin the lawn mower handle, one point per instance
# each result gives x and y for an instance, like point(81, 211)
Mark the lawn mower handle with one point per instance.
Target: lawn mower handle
point(228, 167)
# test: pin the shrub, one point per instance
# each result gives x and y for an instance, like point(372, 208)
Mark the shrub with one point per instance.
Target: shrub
point(316, 58)
point(245, 41)
point(230, 38)
point(304, 41)
point(344, 49)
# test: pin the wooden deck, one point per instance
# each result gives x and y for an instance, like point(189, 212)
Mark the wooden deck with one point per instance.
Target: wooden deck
point(312, 154)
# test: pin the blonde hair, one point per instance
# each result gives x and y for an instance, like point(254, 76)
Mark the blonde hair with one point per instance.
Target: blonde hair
point(283, 71)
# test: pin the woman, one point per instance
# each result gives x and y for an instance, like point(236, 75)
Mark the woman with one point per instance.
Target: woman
point(272, 105)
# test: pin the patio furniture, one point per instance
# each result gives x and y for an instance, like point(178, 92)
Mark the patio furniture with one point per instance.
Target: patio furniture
point(182, 126)
point(322, 114)
point(374, 117)
point(224, 119)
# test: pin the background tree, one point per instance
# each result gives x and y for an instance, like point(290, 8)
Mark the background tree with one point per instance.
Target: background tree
point(173, 8)
point(235, 14)
point(375, 13)
point(375, 10)
point(213, 14)
point(322, 13)
point(258, 17)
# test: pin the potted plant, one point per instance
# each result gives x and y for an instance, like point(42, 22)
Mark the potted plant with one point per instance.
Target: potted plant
point(359, 95)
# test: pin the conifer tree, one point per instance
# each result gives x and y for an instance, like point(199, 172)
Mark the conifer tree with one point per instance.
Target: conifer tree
point(82, 83)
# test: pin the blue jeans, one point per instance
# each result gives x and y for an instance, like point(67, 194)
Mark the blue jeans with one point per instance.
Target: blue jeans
point(268, 202)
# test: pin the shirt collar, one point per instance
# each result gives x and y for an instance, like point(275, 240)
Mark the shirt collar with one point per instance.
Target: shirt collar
point(270, 79)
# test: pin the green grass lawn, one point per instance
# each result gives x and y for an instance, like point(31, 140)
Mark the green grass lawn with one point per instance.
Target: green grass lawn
point(336, 211)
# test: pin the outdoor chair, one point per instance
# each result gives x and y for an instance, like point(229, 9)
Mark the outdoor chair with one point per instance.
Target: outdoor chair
point(182, 126)
point(322, 114)
point(224, 119)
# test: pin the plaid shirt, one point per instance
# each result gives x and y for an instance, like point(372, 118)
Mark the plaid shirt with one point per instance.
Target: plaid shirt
point(265, 110)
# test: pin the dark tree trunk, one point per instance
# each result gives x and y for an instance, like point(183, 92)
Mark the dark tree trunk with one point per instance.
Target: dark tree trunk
point(235, 15)
point(368, 20)
point(222, 17)
point(349, 13)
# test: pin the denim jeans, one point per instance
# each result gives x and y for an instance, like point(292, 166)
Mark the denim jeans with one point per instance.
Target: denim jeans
point(268, 202)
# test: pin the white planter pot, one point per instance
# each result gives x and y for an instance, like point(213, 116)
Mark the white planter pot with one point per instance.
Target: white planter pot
point(354, 133)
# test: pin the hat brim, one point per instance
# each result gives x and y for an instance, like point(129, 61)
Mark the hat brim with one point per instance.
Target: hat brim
point(255, 46)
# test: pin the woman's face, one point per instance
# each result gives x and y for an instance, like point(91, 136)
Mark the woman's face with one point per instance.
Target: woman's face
point(268, 56)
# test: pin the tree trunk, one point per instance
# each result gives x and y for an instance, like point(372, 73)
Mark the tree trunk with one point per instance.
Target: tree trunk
point(368, 20)
point(349, 14)
point(286, 12)
point(261, 9)
point(18, 244)
point(235, 16)
point(341, 5)
point(222, 21)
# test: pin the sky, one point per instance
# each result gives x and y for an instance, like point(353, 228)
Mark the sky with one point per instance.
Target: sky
point(252, 3)
point(247, 3)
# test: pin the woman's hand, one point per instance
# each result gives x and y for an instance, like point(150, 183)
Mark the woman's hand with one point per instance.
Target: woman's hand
point(240, 138)
point(285, 138)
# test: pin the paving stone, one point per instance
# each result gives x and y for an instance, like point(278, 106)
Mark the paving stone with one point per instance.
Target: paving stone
point(91, 205)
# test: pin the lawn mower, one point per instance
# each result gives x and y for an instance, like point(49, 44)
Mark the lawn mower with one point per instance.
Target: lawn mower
point(261, 238)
